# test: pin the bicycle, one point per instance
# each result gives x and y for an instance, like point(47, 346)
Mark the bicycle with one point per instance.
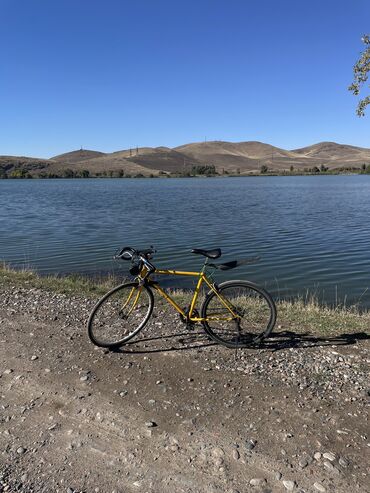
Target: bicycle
point(234, 313)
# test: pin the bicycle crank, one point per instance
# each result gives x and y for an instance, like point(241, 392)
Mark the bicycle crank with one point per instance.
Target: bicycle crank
point(186, 321)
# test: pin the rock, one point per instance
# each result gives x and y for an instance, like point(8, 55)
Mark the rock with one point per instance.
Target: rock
point(236, 455)
point(151, 424)
point(319, 487)
point(329, 455)
point(303, 463)
point(289, 485)
point(257, 481)
point(317, 456)
point(218, 452)
point(278, 476)
point(8, 372)
point(343, 462)
point(34, 357)
point(21, 450)
point(250, 444)
point(329, 466)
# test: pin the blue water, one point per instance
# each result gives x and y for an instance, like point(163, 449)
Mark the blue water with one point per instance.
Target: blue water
point(312, 232)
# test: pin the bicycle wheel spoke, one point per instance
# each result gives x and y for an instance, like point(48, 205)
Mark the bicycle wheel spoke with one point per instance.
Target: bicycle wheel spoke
point(254, 310)
point(120, 315)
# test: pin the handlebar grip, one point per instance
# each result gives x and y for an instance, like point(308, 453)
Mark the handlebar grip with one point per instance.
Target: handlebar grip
point(130, 251)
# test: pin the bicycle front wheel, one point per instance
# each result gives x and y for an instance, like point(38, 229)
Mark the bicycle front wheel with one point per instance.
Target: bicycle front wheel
point(239, 315)
point(120, 315)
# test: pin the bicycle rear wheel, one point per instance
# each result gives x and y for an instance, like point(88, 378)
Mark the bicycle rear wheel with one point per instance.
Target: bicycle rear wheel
point(120, 315)
point(243, 314)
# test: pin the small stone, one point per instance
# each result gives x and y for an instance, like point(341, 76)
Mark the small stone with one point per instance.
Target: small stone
point(250, 444)
point(329, 455)
point(278, 476)
point(84, 378)
point(151, 424)
point(319, 487)
point(257, 481)
point(34, 357)
point(328, 465)
point(343, 462)
point(236, 454)
point(303, 463)
point(21, 450)
point(70, 490)
point(218, 452)
point(123, 393)
point(8, 372)
point(317, 455)
point(289, 485)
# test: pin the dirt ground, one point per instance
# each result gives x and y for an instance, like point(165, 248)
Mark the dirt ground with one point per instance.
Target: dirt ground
point(173, 412)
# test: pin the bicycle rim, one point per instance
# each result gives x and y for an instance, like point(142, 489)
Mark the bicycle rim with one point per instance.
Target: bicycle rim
point(120, 315)
point(244, 314)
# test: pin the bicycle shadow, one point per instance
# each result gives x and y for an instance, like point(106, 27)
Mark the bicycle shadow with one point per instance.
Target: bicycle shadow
point(185, 341)
point(277, 341)
point(289, 339)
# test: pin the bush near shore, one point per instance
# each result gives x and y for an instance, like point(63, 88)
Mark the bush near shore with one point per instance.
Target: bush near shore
point(196, 171)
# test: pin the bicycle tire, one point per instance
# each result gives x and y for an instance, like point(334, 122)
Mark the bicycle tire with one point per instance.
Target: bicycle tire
point(112, 314)
point(256, 310)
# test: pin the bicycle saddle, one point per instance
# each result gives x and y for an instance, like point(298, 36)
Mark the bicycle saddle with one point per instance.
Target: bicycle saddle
point(215, 253)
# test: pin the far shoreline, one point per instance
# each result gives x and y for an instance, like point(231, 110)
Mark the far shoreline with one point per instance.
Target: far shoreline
point(174, 176)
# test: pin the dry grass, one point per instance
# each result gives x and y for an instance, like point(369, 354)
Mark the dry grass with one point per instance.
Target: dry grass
point(73, 284)
point(296, 315)
point(310, 316)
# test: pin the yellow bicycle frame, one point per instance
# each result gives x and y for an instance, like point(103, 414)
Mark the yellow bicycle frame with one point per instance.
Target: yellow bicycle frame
point(201, 278)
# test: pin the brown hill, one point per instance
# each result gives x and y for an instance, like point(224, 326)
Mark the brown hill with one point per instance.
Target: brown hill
point(30, 164)
point(331, 151)
point(77, 156)
point(249, 156)
point(165, 159)
point(108, 163)
point(230, 157)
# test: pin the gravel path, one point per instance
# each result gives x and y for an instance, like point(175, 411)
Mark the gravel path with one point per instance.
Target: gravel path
point(171, 411)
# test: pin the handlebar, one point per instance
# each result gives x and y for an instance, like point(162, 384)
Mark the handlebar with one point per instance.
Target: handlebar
point(129, 253)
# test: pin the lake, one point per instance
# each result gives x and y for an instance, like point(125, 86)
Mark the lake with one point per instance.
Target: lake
point(312, 232)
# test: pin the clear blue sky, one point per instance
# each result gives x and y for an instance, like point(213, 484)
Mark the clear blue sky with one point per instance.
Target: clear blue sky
point(107, 75)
